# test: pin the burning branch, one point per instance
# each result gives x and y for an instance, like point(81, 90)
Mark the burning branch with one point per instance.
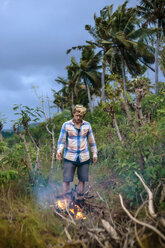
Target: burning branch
point(150, 195)
point(70, 215)
point(64, 218)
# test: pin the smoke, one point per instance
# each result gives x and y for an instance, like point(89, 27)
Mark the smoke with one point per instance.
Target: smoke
point(46, 195)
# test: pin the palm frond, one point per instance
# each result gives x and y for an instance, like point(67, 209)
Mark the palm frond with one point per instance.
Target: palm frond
point(61, 80)
point(94, 77)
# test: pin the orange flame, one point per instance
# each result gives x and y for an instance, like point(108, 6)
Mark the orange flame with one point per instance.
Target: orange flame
point(77, 212)
point(79, 215)
point(62, 204)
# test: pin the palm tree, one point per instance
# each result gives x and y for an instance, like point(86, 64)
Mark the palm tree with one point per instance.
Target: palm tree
point(118, 35)
point(93, 46)
point(81, 96)
point(70, 94)
point(72, 81)
point(68, 85)
point(62, 98)
point(153, 11)
point(87, 71)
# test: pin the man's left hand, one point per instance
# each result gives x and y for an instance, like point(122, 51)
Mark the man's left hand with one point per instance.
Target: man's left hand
point(95, 159)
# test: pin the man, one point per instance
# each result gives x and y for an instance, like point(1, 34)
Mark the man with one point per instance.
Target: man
point(74, 137)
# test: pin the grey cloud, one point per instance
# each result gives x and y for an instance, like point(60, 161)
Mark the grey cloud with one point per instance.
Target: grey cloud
point(38, 34)
point(11, 80)
point(34, 37)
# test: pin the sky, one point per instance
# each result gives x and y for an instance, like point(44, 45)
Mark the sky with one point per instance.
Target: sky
point(34, 38)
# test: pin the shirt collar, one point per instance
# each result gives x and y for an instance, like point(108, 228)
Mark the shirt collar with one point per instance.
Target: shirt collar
point(74, 124)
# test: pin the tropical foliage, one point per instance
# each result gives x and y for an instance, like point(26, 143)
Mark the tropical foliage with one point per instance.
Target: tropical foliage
point(153, 13)
point(127, 117)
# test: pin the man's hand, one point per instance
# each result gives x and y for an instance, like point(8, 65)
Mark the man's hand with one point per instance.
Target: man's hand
point(95, 159)
point(58, 156)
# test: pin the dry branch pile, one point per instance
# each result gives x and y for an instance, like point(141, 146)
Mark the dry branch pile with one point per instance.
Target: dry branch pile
point(100, 226)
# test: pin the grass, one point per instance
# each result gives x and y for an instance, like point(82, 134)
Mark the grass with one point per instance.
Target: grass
point(24, 223)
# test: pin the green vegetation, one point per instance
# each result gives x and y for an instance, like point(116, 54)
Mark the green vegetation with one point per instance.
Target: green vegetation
point(23, 222)
point(127, 117)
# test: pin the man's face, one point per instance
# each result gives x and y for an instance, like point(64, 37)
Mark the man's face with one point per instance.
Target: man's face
point(77, 117)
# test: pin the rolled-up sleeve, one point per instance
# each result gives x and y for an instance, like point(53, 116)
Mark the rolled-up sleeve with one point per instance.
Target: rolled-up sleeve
point(92, 142)
point(62, 139)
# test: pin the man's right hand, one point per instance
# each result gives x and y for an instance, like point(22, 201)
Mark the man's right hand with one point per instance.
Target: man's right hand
point(95, 159)
point(58, 156)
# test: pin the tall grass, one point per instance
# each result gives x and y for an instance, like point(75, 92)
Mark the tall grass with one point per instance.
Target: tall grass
point(24, 223)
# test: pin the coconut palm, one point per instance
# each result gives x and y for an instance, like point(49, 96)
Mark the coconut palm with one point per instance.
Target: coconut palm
point(153, 11)
point(93, 46)
point(72, 81)
point(118, 35)
point(68, 85)
point(62, 98)
point(87, 71)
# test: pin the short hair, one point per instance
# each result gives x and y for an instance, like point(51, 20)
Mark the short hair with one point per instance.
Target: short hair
point(80, 109)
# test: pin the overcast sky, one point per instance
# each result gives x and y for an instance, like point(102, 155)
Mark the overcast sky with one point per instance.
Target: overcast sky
point(34, 37)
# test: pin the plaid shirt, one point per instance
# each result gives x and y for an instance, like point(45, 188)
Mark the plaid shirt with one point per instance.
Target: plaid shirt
point(76, 142)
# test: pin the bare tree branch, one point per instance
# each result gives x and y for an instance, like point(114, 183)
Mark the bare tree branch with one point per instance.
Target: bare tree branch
point(140, 222)
point(67, 234)
point(110, 230)
point(150, 195)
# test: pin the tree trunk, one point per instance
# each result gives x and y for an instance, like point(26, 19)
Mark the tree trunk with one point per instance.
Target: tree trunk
point(37, 148)
point(29, 166)
point(93, 100)
point(37, 160)
point(142, 162)
point(124, 79)
point(139, 95)
point(53, 156)
point(89, 97)
point(48, 120)
point(103, 82)
point(27, 151)
point(136, 124)
point(72, 99)
point(126, 107)
point(157, 63)
point(117, 129)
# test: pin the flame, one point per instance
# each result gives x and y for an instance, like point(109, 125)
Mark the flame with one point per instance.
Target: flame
point(62, 204)
point(71, 210)
point(79, 215)
point(77, 211)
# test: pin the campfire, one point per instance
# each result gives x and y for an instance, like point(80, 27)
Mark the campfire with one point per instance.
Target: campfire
point(105, 227)
point(67, 205)
point(70, 205)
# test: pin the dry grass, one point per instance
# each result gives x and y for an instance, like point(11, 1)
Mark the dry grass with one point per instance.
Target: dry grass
point(24, 223)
